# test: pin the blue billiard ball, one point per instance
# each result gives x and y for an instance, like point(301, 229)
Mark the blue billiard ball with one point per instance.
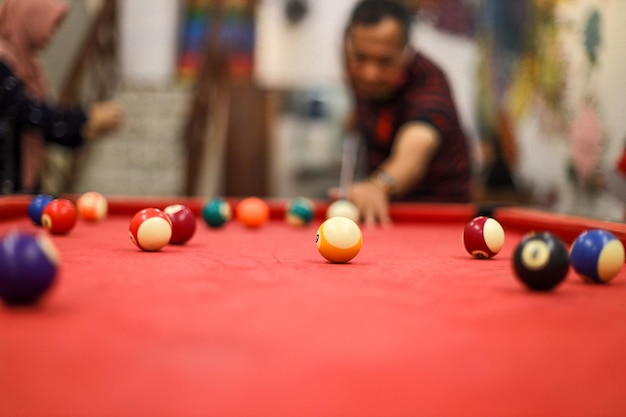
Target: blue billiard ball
point(36, 206)
point(216, 212)
point(299, 211)
point(597, 256)
point(28, 267)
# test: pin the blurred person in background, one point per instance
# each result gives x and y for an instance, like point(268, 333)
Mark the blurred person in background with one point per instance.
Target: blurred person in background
point(404, 114)
point(27, 118)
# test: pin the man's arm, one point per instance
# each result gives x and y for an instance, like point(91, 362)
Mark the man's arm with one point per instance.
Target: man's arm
point(412, 151)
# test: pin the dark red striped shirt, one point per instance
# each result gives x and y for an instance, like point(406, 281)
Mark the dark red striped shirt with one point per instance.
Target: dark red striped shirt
point(424, 96)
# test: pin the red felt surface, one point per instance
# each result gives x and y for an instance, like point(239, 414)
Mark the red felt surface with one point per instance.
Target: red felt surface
point(256, 323)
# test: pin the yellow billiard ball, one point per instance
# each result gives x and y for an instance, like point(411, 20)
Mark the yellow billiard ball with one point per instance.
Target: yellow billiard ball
point(339, 239)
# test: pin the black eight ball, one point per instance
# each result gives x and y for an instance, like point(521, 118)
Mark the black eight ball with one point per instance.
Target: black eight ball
point(541, 261)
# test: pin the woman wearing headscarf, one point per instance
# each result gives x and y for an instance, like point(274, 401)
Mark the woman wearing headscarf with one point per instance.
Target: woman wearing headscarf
point(27, 119)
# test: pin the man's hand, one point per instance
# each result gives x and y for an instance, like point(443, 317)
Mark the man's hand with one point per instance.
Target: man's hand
point(372, 202)
point(103, 117)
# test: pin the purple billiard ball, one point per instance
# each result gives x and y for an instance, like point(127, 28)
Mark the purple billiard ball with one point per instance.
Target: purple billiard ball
point(28, 267)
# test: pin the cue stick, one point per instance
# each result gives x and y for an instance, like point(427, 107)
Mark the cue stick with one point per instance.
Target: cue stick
point(349, 158)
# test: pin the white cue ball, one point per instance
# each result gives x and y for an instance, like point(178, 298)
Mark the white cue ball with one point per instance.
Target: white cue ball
point(343, 208)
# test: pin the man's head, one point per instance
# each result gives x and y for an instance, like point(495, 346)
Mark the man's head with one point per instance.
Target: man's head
point(375, 44)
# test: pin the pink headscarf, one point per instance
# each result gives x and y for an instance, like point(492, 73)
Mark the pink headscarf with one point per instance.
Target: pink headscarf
point(26, 27)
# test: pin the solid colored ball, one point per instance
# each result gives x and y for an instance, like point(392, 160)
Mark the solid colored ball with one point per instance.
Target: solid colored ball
point(92, 206)
point(339, 239)
point(28, 267)
point(183, 223)
point(343, 208)
point(299, 211)
point(216, 212)
point(483, 237)
point(253, 212)
point(541, 261)
point(150, 229)
point(59, 216)
point(36, 206)
point(597, 256)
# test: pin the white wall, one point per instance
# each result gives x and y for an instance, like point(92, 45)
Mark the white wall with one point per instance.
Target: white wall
point(545, 155)
point(458, 57)
point(302, 55)
point(148, 34)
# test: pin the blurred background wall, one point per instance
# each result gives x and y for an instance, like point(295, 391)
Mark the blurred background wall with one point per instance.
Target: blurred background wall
point(538, 85)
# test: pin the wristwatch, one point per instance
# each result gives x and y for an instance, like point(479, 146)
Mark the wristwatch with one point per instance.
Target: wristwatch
point(383, 181)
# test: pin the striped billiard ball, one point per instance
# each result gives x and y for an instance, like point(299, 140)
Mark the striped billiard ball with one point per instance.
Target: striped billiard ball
point(483, 237)
point(299, 211)
point(92, 206)
point(216, 212)
point(597, 256)
point(339, 239)
point(150, 229)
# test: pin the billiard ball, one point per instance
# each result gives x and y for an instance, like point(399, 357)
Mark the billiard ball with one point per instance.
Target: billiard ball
point(541, 261)
point(92, 206)
point(339, 239)
point(36, 206)
point(299, 211)
point(59, 216)
point(216, 212)
point(597, 256)
point(28, 267)
point(343, 208)
point(252, 212)
point(183, 223)
point(483, 237)
point(150, 229)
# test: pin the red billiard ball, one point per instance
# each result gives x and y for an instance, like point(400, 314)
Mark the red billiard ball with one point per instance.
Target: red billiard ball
point(483, 237)
point(252, 212)
point(150, 229)
point(59, 216)
point(183, 223)
point(92, 206)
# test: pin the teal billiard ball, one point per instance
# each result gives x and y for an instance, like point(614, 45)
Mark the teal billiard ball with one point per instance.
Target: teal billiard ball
point(597, 256)
point(28, 267)
point(299, 211)
point(216, 212)
point(541, 261)
point(36, 206)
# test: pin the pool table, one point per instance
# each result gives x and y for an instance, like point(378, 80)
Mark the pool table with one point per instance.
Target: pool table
point(251, 323)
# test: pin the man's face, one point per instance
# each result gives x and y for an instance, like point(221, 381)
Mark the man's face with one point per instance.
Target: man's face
point(375, 58)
